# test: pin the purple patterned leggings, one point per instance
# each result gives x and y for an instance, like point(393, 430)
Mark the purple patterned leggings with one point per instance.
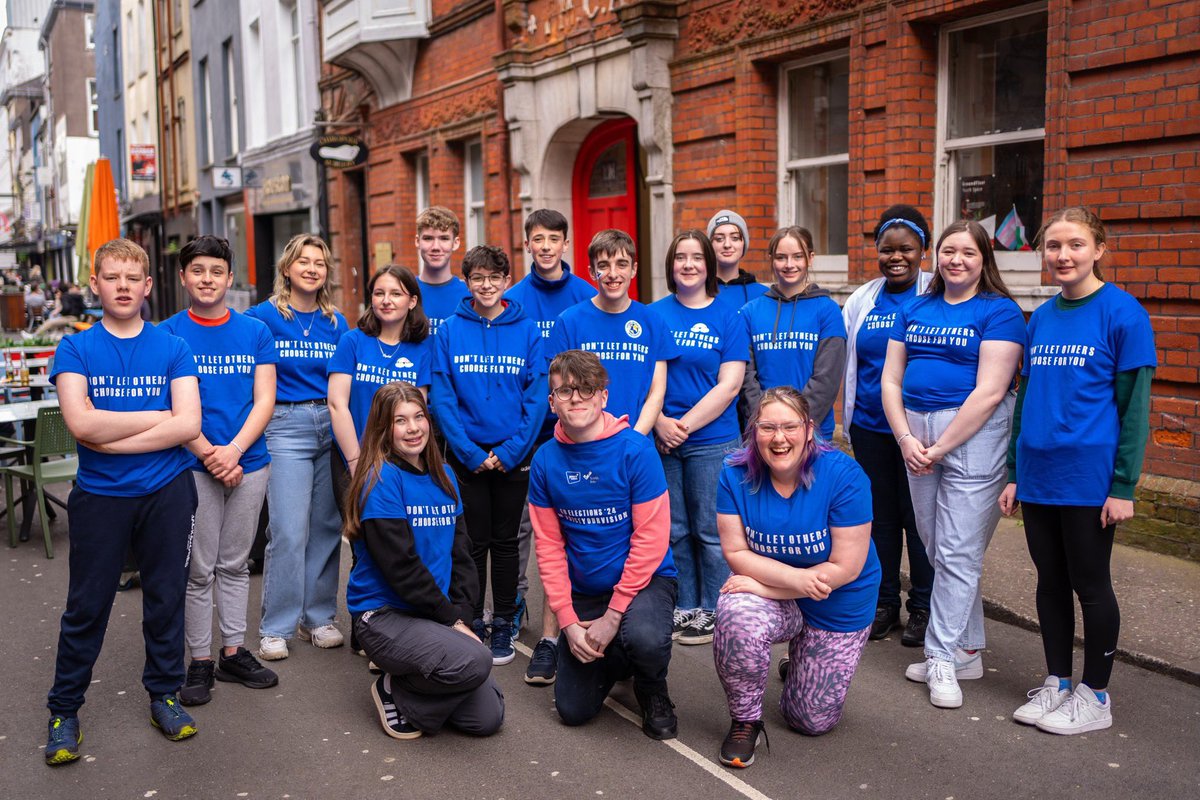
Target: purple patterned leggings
point(823, 662)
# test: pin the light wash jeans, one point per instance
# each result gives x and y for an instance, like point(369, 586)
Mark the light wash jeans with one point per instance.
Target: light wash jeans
point(300, 574)
point(957, 512)
point(692, 473)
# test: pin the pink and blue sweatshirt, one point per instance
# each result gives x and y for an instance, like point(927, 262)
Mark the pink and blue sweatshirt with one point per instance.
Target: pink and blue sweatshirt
point(601, 518)
point(489, 384)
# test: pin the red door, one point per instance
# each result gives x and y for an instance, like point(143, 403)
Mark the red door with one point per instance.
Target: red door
point(603, 191)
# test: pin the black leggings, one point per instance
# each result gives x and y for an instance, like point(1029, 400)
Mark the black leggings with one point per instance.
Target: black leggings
point(1072, 552)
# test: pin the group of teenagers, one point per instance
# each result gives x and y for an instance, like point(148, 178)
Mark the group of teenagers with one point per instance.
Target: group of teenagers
point(670, 465)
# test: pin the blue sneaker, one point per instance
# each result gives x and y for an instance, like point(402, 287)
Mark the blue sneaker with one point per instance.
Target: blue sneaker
point(168, 716)
point(520, 615)
point(502, 647)
point(62, 744)
point(543, 666)
point(480, 629)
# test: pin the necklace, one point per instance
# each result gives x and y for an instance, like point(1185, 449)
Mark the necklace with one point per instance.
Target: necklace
point(311, 321)
point(386, 355)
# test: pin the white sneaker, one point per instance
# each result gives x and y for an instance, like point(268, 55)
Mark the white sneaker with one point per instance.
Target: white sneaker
point(967, 667)
point(324, 636)
point(943, 686)
point(1079, 713)
point(1042, 701)
point(272, 648)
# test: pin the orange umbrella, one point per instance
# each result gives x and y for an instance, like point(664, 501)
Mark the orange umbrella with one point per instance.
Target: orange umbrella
point(103, 221)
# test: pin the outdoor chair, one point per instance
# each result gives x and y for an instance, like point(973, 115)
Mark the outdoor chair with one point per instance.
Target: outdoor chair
point(51, 439)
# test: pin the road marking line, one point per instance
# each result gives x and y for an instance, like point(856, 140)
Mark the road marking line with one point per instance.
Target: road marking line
point(679, 747)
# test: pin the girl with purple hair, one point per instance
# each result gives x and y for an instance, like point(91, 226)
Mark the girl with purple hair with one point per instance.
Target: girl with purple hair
point(794, 516)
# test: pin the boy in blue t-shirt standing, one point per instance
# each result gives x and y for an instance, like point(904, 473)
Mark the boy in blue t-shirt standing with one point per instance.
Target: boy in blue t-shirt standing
point(441, 290)
point(129, 395)
point(235, 356)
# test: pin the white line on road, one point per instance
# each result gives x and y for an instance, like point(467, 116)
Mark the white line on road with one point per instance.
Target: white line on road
point(679, 747)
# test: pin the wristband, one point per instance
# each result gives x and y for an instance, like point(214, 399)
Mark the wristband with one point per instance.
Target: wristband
point(902, 438)
point(237, 447)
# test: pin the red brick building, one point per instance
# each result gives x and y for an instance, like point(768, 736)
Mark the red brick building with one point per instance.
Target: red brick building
point(652, 114)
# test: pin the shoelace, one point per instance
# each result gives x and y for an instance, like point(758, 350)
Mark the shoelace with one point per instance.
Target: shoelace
point(244, 659)
point(943, 671)
point(168, 702)
point(198, 670)
point(704, 619)
point(1043, 695)
point(748, 732)
point(661, 705)
point(1071, 707)
point(544, 652)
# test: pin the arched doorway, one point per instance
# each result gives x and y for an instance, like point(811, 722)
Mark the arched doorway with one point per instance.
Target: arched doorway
point(604, 188)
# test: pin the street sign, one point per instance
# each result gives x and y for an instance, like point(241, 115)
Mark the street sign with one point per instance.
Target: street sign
point(227, 177)
point(339, 152)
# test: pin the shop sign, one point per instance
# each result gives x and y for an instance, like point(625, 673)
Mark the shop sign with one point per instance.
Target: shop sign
point(339, 152)
point(227, 177)
point(143, 162)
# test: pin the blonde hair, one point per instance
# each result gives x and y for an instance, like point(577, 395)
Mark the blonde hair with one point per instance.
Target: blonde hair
point(121, 250)
point(283, 286)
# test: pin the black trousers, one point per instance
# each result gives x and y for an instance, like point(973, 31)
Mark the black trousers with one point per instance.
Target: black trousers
point(1071, 553)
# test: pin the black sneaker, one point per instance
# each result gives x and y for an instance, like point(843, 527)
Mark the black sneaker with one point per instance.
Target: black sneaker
point(242, 667)
point(681, 619)
point(914, 631)
point(701, 629)
point(886, 618)
point(658, 715)
point(197, 688)
point(543, 666)
point(738, 748)
point(393, 722)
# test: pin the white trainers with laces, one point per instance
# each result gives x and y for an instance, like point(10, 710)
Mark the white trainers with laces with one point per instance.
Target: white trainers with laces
point(943, 686)
point(967, 667)
point(1042, 701)
point(272, 648)
point(324, 636)
point(1080, 713)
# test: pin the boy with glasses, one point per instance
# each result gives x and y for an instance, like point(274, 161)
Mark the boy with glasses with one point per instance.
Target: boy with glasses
point(601, 521)
point(488, 377)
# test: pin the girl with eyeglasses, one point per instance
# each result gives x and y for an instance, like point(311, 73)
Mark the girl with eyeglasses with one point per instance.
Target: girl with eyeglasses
point(797, 337)
point(698, 424)
point(413, 586)
point(488, 379)
point(794, 516)
point(300, 573)
point(390, 344)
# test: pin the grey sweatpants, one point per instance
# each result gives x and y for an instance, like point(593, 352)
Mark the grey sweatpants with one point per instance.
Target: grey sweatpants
point(439, 675)
point(226, 522)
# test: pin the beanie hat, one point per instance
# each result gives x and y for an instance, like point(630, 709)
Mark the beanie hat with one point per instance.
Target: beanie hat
point(727, 217)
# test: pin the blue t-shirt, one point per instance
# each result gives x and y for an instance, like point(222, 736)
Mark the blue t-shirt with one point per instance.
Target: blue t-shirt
point(736, 295)
point(705, 338)
point(440, 300)
point(629, 345)
point(785, 335)
point(941, 341)
point(795, 531)
point(227, 356)
point(1069, 426)
point(432, 517)
point(303, 357)
point(132, 374)
point(592, 488)
point(871, 351)
point(370, 364)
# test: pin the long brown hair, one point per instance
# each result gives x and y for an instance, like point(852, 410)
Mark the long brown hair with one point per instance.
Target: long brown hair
point(416, 324)
point(990, 281)
point(378, 446)
point(283, 286)
point(1085, 219)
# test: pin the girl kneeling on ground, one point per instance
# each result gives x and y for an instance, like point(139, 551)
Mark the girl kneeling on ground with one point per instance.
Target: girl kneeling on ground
point(414, 583)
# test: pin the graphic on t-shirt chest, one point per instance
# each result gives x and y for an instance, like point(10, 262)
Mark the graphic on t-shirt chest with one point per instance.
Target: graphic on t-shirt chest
point(225, 363)
point(699, 335)
point(950, 336)
point(1061, 355)
point(583, 501)
point(126, 385)
point(304, 348)
point(484, 363)
point(785, 340)
point(627, 349)
point(796, 545)
point(431, 515)
point(403, 369)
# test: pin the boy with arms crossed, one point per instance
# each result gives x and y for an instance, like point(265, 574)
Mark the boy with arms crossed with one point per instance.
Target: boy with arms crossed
point(129, 395)
point(235, 356)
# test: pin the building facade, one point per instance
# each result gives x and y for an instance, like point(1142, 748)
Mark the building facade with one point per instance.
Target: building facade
point(652, 114)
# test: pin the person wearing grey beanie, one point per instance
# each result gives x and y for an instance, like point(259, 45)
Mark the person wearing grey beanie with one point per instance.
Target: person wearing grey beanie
point(731, 239)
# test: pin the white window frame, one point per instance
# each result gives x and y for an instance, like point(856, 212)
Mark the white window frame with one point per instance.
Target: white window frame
point(207, 121)
point(231, 89)
point(421, 174)
point(831, 266)
point(255, 123)
point(476, 227)
point(944, 211)
point(93, 116)
point(89, 31)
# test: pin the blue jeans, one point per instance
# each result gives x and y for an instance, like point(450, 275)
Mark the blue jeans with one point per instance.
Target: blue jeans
point(692, 472)
point(957, 513)
point(300, 575)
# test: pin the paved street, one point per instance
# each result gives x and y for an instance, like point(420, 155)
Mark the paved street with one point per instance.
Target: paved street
point(316, 734)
